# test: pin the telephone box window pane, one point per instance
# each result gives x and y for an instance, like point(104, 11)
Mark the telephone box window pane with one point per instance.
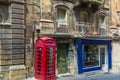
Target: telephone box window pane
point(49, 57)
point(39, 50)
point(90, 56)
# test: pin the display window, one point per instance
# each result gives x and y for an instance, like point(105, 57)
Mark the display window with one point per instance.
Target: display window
point(90, 56)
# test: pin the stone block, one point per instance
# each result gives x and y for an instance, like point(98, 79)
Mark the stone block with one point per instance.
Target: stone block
point(18, 36)
point(20, 31)
point(17, 16)
point(17, 6)
point(17, 11)
point(18, 26)
point(17, 21)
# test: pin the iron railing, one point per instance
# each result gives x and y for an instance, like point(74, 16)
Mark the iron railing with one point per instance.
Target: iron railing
point(62, 27)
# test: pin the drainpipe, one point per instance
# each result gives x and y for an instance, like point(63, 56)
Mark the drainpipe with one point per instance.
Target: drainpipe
point(95, 23)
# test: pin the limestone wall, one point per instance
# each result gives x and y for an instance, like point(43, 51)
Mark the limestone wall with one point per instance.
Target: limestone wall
point(116, 57)
point(72, 56)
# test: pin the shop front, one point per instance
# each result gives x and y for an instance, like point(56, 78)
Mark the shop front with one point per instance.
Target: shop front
point(94, 54)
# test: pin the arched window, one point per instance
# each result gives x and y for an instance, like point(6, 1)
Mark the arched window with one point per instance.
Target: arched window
point(83, 16)
point(102, 24)
point(101, 21)
point(61, 15)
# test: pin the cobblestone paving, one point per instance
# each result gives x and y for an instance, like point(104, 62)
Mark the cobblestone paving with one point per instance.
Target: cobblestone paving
point(90, 77)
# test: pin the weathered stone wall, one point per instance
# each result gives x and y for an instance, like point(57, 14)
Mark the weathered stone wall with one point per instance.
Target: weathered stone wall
point(18, 30)
point(72, 55)
point(13, 75)
point(12, 42)
point(116, 56)
point(70, 13)
point(114, 7)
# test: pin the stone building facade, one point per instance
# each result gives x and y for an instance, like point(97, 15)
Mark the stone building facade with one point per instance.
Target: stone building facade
point(75, 24)
point(73, 21)
point(12, 47)
point(115, 28)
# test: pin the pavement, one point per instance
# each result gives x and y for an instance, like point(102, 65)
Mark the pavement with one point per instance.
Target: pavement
point(103, 76)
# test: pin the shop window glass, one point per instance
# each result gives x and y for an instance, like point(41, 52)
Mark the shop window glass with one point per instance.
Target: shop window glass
point(91, 57)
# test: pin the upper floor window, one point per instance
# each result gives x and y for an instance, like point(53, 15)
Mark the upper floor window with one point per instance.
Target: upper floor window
point(102, 25)
point(61, 14)
point(101, 21)
point(83, 16)
point(4, 14)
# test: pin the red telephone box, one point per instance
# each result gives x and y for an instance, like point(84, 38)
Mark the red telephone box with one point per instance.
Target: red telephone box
point(45, 59)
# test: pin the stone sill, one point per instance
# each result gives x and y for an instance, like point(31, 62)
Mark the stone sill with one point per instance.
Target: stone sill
point(17, 67)
point(12, 68)
point(46, 20)
point(5, 24)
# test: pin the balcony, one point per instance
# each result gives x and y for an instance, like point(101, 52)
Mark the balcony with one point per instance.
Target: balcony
point(87, 30)
point(84, 28)
point(62, 27)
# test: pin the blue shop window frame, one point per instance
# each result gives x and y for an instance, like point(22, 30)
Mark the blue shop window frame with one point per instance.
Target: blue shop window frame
point(80, 42)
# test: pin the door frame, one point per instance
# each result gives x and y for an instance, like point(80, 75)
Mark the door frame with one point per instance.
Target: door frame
point(104, 66)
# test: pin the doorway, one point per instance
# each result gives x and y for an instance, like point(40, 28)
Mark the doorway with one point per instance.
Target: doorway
point(62, 58)
point(103, 57)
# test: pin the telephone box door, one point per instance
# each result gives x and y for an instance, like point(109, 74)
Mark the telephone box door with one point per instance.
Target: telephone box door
point(50, 62)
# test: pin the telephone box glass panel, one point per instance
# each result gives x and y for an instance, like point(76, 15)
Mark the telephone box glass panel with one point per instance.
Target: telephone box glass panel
point(49, 61)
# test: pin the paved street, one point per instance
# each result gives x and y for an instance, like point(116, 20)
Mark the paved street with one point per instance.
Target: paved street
point(93, 77)
point(90, 77)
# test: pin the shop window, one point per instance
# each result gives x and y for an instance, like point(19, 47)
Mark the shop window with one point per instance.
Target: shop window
point(90, 56)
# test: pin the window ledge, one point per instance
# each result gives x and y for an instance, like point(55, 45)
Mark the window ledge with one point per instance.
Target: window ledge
point(17, 67)
point(5, 24)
